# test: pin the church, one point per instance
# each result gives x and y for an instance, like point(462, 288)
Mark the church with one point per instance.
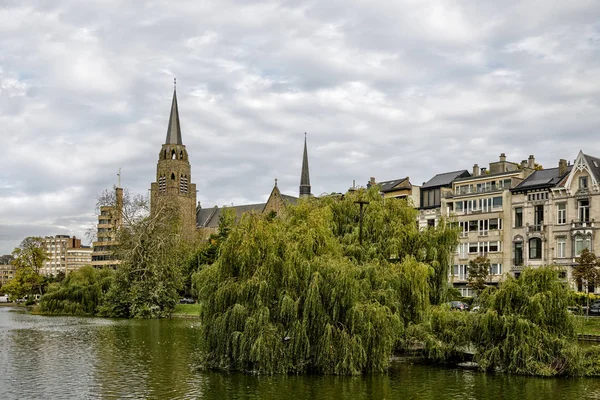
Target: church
point(174, 185)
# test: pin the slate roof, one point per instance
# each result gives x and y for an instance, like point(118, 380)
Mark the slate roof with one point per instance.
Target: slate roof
point(174, 128)
point(305, 176)
point(594, 164)
point(388, 186)
point(209, 217)
point(445, 179)
point(544, 178)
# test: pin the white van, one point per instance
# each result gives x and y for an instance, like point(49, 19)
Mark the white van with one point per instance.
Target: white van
point(3, 298)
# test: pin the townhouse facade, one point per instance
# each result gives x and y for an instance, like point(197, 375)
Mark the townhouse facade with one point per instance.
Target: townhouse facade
point(481, 205)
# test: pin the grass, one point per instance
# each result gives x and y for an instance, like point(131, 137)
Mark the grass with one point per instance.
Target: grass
point(186, 311)
point(589, 327)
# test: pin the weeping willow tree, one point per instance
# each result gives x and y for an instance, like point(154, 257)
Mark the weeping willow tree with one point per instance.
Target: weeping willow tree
point(294, 294)
point(152, 252)
point(525, 328)
point(390, 233)
point(82, 292)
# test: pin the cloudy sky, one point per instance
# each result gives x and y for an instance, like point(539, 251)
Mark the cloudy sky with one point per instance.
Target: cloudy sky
point(383, 88)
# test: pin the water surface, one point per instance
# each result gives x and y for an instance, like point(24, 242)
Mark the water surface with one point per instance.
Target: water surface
point(70, 357)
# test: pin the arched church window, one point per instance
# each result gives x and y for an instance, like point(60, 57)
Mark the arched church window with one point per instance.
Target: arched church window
point(162, 184)
point(165, 155)
point(173, 155)
point(172, 176)
point(181, 155)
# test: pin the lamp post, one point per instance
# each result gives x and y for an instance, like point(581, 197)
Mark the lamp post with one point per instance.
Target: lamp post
point(360, 232)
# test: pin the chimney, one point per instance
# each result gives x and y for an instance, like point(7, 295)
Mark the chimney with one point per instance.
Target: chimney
point(502, 157)
point(483, 170)
point(562, 167)
point(524, 163)
point(531, 162)
point(371, 182)
point(475, 170)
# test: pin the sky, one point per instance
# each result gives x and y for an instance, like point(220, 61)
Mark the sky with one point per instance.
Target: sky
point(387, 89)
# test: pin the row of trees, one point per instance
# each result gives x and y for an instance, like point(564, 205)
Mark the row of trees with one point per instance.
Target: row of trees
point(304, 292)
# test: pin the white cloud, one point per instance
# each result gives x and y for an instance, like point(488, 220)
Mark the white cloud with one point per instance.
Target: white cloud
point(384, 89)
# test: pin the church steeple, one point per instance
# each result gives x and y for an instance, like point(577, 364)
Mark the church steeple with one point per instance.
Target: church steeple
point(174, 128)
point(305, 177)
point(174, 175)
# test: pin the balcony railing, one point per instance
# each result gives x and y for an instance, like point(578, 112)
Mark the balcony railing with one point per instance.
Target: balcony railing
point(582, 224)
point(535, 228)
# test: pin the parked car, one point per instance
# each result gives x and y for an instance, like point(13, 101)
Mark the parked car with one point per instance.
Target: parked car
point(186, 300)
point(4, 298)
point(459, 305)
point(595, 308)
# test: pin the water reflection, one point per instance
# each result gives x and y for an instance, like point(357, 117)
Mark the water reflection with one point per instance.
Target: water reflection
point(66, 357)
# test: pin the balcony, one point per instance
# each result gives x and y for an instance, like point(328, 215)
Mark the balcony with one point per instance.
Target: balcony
point(535, 228)
point(578, 224)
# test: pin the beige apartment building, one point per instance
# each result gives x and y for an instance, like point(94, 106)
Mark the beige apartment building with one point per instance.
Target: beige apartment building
point(109, 221)
point(7, 272)
point(554, 215)
point(65, 254)
point(481, 204)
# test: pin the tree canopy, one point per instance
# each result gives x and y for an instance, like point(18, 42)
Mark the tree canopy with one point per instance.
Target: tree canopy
point(298, 293)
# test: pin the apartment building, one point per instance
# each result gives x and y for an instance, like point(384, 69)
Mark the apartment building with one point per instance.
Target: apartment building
point(65, 254)
point(554, 213)
point(481, 204)
point(7, 270)
point(431, 194)
point(398, 188)
point(109, 221)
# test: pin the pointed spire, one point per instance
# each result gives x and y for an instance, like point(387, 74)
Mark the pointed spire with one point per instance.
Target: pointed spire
point(174, 128)
point(305, 177)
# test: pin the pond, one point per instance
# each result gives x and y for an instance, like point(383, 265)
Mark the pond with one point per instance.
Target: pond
point(69, 357)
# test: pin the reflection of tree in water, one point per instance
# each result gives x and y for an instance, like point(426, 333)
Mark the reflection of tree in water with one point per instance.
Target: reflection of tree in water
point(147, 358)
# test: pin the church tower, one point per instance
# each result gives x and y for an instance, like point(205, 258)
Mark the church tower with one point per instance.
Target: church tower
point(304, 176)
point(174, 175)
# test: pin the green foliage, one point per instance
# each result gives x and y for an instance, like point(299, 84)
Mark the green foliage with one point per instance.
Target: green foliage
point(149, 277)
point(296, 293)
point(524, 328)
point(79, 293)
point(28, 258)
point(478, 270)
point(390, 233)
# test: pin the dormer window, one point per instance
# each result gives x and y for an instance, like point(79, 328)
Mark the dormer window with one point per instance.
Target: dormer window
point(583, 182)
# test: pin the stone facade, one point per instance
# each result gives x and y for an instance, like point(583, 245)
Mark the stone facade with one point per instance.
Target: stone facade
point(174, 176)
point(481, 205)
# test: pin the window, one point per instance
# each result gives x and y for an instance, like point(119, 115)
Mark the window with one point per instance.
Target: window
point(497, 202)
point(518, 247)
point(494, 247)
point(538, 216)
point(518, 217)
point(582, 242)
point(495, 269)
point(458, 206)
point(584, 210)
point(472, 248)
point(561, 247)
point(483, 227)
point(460, 271)
point(561, 212)
point(431, 223)
point(495, 224)
point(473, 226)
point(485, 204)
point(535, 248)
point(583, 182)
point(462, 250)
